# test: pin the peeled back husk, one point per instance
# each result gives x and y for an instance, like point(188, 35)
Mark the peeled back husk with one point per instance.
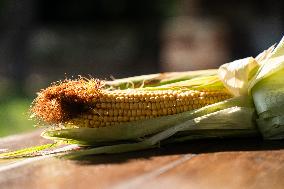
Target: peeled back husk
point(267, 90)
point(262, 78)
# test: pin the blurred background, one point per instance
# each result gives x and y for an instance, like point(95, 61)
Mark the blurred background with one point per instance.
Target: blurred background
point(46, 40)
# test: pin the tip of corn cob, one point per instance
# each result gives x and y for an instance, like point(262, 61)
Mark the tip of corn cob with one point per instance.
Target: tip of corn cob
point(65, 99)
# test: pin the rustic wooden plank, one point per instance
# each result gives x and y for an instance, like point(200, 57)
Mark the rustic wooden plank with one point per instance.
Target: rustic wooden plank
point(234, 170)
point(234, 163)
point(57, 173)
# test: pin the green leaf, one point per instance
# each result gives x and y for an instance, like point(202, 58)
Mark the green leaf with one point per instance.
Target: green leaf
point(26, 152)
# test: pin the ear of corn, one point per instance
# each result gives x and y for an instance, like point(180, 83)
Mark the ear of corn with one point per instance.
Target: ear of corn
point(109, 118)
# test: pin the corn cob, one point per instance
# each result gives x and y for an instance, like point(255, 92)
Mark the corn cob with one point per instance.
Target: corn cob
point(86, 104)
point(114, 107)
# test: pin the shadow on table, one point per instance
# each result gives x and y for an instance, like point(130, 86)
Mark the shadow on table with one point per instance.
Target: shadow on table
point(194, 147)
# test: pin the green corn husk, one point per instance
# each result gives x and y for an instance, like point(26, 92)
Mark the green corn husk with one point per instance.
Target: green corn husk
point(267, 90)
point(270, 92)
point(263, 80)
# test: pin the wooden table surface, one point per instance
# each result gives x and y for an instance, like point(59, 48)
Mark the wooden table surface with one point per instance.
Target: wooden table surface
point(226, 163)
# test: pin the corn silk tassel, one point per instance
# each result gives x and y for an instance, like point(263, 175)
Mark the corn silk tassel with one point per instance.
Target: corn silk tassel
point(243, 98)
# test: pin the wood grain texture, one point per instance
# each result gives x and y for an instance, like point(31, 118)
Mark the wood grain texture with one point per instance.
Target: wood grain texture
point(226, 163)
